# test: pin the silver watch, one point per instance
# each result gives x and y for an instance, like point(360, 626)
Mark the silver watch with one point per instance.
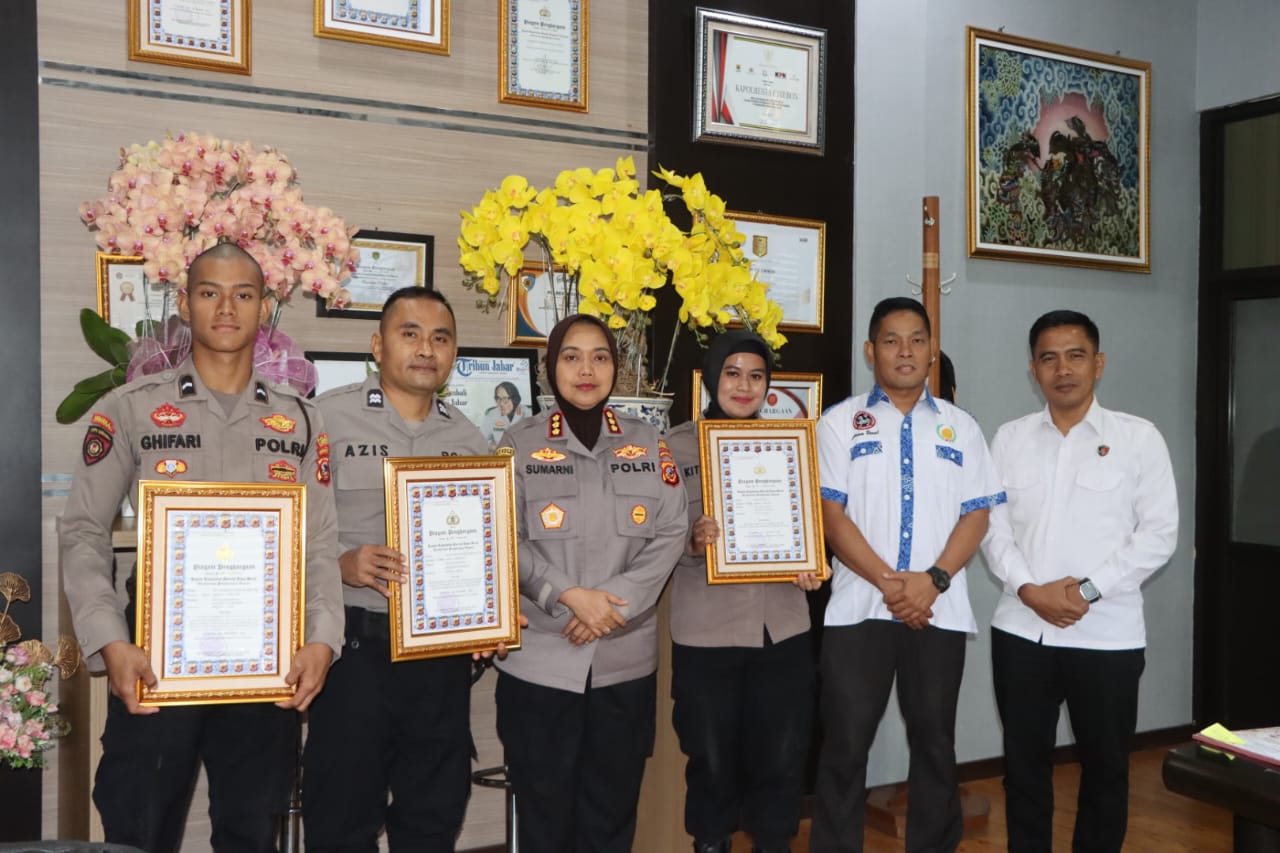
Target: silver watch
point(1088, 591)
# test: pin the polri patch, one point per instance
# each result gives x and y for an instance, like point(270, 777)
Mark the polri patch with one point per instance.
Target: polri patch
point(670, 475)
point(323, 469)
point(97, 444)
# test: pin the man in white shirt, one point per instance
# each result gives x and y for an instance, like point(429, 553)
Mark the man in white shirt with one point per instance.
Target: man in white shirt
point(907, 485)
point(1092, 512)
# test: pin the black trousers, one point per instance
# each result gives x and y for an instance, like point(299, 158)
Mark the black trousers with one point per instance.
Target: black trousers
point(575, 761)
point(380, 725)
point(1101, 691)
point(743, 716)
point(859, 664)
point(148, 770)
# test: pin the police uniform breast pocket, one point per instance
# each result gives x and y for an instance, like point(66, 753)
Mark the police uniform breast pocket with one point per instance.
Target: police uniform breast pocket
point(551, 507)
point(358, 475)
point(636, 505)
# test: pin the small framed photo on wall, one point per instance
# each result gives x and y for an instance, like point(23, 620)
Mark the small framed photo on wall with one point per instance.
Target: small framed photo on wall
point(213, 35)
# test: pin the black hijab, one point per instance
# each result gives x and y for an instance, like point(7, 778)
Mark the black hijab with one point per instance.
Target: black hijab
point(725, 345)
point(584, 423)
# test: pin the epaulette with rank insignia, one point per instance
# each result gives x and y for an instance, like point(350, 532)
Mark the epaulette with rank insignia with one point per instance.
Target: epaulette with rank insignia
point(186, 386)
point(611, 421)
point(374, 398)
point(555, 425)
point(440, 407)
point(260, 393)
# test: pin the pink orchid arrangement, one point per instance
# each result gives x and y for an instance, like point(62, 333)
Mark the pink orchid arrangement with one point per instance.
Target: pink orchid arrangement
point(169, 201)
point(29, 719)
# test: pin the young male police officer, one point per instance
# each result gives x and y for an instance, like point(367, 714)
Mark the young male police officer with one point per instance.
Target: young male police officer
point(906, 488)
point(211, 418)
point(1092, 513)
point(406, 725)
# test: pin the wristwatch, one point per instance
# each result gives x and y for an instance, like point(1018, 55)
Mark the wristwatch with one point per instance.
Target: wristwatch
point(941, 580)
point(1088, 591)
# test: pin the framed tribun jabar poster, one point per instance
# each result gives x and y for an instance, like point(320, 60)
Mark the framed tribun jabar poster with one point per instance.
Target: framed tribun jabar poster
point(1058, 154)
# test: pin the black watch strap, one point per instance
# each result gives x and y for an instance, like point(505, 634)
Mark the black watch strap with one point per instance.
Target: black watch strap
point(941, 580)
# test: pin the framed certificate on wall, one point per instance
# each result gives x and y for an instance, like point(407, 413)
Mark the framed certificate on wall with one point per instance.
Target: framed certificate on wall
point(542, 53)
point(210, 34)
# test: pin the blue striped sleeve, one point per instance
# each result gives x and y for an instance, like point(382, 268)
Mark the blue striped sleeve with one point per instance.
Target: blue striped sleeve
point(985, 502)
point(834, 495)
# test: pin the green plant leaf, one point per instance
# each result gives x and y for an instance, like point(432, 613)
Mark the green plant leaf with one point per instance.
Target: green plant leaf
point(108, 342)
point(87, 392)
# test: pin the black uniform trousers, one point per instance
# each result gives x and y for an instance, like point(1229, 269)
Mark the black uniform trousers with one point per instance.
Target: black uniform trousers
point(859, 664)
point(575, 761)
point(379, 725)
point(1100, 688)
point(743, 716)
point(148, 770)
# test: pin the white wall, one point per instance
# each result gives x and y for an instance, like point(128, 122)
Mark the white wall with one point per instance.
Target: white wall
point(909, 142)
point(1236, 51)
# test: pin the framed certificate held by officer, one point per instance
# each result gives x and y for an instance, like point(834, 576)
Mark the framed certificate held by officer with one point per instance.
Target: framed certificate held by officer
point(760, 483)
point(453, 518)
point(220, 597)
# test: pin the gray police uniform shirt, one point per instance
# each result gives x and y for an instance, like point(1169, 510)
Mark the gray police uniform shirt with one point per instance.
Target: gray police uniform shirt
point(610, 518)
point(169, 426)
point(734, 614)
point(364, 428)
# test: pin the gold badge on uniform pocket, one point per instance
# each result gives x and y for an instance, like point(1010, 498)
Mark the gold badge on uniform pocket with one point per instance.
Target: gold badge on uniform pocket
point(639, 514)
point(552, 517)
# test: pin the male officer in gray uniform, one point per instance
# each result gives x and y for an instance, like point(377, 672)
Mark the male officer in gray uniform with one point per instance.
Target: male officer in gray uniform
point(212, 418)
point(406, 725)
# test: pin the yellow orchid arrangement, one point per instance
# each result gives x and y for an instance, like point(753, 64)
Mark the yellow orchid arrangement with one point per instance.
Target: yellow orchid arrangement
point(611, 247)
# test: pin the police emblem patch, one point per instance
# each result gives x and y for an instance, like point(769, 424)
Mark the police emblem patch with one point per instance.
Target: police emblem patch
point(97, 444)
point(670, 475)
point(552, 517)
point(863, 419)
point(323, 472)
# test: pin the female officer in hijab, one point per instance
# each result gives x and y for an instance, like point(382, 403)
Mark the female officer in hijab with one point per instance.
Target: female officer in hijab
point(742, 672)
point(600, 521)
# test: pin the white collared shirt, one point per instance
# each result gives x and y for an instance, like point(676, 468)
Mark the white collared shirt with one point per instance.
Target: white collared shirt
point(904, 481)
point(1098, 503)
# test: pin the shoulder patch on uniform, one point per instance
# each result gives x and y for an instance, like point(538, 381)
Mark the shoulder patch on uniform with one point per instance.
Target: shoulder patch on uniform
point(186, 385)
point(611, 422)
point(279, 423)
point(97, 444)
point(547, 454)
point(104, 422)
point(323, 470)
point(670, 475)
point(374, 398)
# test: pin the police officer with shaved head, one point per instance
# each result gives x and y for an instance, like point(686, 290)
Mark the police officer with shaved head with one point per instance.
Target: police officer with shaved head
point(212, 418)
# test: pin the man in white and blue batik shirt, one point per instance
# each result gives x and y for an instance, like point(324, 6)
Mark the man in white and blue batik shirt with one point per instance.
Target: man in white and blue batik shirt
point(907, 485)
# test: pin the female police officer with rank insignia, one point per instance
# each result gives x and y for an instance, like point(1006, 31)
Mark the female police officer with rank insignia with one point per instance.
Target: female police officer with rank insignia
point(600, 523)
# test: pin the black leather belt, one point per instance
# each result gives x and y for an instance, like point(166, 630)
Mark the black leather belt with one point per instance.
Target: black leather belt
point(367, 625)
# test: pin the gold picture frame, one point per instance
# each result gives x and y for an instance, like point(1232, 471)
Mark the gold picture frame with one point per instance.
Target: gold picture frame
point(210, 641)
point(453, 517)
point(212, 35)
point(791, 395)
point(125, 298)
point(410, 28)
point(788, 254)
point(760, 482)
point(1058, 152)
point(543, 53)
